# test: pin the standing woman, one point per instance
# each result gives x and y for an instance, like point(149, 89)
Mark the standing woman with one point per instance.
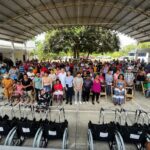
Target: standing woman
point(46, 82)
point(7, 84)
point(37, 83)
point(109, 81)
point(69, 87)
point(28, 87)
point(96, 89)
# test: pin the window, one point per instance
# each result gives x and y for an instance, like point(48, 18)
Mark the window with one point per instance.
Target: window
point(131, 54)
point(141, 54)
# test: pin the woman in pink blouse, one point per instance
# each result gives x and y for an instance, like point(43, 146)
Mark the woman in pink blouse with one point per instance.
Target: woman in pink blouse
point(116, 75)
point(96, 89)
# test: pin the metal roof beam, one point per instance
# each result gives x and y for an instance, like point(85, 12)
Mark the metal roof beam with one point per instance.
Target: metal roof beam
point(8, 30)
point(66, 11)
point(147, 16)
point(29, 14)
point(46, 8)
point(18, 28)
point(119, 11)
point(110, 10)
point(137, 30)
point(12, 36)
point(61, 18)
point(91, 11)
point(134, 26)
point(146, 35)
point(39, 13)
point(12, 19)
point(100, 10)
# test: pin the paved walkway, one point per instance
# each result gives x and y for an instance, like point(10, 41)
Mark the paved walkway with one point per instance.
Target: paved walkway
point(79, 115)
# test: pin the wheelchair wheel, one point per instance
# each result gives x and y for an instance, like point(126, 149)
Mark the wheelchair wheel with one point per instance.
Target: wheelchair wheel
point(9, 135)
point(90, 140)
point(36, 137)
point(65, 139)
point(13, 140)
point(40, 143)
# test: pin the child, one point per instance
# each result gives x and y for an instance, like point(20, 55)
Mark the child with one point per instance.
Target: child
point(18, 91)
point(58, 91)
point(44, 98)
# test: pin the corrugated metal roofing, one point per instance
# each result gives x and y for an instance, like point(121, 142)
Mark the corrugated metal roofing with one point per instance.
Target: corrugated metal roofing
point(21, 20)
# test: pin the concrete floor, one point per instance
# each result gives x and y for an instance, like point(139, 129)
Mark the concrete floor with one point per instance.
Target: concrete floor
point(79, 115)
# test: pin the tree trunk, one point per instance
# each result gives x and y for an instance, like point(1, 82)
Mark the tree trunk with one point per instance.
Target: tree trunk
point(77, 55)
point(74, 53)
point(88, 55)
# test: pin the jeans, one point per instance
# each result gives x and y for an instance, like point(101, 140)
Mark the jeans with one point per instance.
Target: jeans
point(47, 88)
point(148, 93)
point(76, 95)
point(108, 89)
point(37, 91)
point(69, 94)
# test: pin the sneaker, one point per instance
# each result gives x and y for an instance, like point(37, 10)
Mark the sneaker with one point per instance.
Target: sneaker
point(83, 102)
point(87, 102)
point(75, 102)
point(80, 102)
point(66, 102)
point(93, 103)
point(71, 103)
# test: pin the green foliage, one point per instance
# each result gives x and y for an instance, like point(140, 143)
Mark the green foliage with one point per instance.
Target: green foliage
point(144, 45)
point(81, 39)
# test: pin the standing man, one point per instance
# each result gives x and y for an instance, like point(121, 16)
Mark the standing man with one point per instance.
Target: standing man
point(78, 83)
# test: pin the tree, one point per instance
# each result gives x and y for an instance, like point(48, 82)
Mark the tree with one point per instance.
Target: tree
point(81, 39)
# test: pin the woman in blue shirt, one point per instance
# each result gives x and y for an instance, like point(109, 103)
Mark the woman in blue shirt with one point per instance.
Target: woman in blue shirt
point(69, 87)
point(37, 82)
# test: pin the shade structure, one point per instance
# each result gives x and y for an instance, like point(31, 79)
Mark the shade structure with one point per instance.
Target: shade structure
point(21, 20)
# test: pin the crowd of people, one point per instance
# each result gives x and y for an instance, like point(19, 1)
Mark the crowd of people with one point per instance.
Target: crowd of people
point(62, 81)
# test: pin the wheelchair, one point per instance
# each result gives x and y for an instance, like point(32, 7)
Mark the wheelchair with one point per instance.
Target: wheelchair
point(7, 127)
point(52, 130)
point(105, 132)
point(23, 129)
point(137, 133)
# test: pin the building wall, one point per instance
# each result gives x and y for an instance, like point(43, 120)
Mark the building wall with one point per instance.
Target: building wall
point(8, 53)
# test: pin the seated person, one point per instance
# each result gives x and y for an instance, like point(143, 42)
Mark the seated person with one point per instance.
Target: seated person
point(129, 78)
point(18, 91)
point(147, 86)
point(44, 98)
point(58, 91)
point(119, 91)
point(141, 76)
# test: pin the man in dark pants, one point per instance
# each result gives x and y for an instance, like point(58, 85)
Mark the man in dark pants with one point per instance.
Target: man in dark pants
point(87, 84)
